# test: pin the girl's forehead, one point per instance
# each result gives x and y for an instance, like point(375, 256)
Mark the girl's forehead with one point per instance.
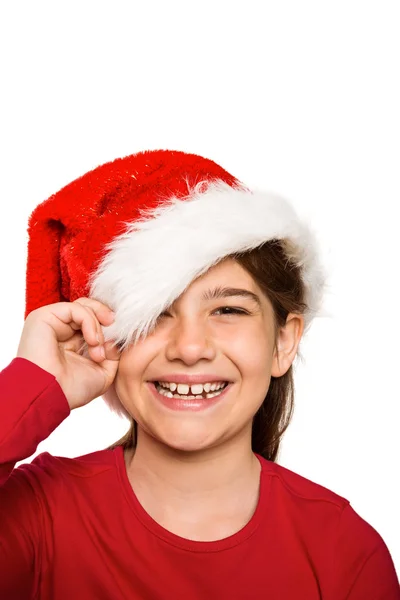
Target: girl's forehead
point(235, 287)
point(220, 277)
point(226, 272)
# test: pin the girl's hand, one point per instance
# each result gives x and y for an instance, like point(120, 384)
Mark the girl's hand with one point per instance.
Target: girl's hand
point(53, 338)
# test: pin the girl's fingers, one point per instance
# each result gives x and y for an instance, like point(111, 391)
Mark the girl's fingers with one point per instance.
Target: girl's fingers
point(78, 345)
point(81, 317)
point(97, 353)
point(66, 318)
point(112, 351)
point(99, 332)
point(101, 350)
point(85, 319)
point(75, 344)
point(103, 313)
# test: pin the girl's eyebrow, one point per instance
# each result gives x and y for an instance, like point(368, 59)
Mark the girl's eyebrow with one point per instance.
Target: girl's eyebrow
point(226, 292)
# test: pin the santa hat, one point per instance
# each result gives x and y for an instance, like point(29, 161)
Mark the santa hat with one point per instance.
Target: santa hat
point(135, 232)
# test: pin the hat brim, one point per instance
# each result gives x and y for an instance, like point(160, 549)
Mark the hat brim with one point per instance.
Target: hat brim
point(151, 264)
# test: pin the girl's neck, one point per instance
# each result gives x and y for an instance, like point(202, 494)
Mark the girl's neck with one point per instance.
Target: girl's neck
point(203, 495)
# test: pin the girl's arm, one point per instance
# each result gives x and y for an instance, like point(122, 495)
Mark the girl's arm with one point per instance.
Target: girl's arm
point(377, 578)
point(32, 405)
point(364, 567)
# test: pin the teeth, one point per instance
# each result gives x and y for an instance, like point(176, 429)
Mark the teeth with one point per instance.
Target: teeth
point(183, 388)
point(166, 389)
point(195, 389)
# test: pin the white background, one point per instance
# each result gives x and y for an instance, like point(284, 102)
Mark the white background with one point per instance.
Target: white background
point(300, 98)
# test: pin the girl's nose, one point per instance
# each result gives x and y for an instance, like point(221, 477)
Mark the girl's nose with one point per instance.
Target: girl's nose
point(190, 342)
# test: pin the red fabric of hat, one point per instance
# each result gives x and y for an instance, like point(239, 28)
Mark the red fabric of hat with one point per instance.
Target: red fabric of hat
point(68, 232)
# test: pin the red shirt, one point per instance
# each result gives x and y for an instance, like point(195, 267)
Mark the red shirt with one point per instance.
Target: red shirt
point(73, 528)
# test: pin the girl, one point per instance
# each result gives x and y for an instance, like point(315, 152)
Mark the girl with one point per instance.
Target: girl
point(162, 283)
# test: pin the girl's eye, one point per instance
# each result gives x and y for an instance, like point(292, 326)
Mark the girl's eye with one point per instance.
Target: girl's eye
point(232, 309)
point(164, 314)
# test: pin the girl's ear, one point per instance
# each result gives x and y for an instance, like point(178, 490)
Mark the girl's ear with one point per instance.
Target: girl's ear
point(287, 344)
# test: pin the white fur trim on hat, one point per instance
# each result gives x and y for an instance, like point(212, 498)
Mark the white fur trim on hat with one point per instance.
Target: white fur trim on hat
point(152, 263)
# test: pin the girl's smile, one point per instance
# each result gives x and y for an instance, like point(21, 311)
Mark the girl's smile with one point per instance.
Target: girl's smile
point(196, 402)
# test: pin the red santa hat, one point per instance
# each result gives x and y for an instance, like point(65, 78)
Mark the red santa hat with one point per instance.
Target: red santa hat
point(135, 232)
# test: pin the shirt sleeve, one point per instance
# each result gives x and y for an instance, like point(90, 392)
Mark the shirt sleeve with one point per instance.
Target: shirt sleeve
point(364, 568)
point(32, 405)
point(377, 579)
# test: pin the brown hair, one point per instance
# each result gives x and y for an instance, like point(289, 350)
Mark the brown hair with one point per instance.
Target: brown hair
point(282, 283)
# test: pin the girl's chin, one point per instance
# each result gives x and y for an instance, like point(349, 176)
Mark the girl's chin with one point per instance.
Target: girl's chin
point(184, 439)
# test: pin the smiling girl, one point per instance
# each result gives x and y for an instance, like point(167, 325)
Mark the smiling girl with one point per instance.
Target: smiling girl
point(163, 284)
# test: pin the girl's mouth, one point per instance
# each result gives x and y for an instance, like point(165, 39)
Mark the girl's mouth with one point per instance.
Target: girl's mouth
point(192, 402)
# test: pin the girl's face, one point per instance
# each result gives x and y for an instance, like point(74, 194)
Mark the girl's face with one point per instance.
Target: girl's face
point(221, 339)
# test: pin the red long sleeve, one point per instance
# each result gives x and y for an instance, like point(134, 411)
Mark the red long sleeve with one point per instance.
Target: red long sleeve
point(32, 405)
point(376, 578)
point(363, 564)
point(74, 528)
